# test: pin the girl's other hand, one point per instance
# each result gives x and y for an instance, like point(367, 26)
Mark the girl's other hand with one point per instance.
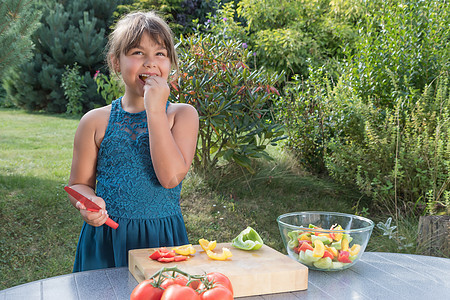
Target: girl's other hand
point(94, 218)
point(156, 93)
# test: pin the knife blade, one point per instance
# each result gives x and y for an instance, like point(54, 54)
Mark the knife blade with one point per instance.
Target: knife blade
point(90, 206)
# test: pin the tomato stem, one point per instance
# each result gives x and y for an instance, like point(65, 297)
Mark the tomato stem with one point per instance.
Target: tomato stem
point(172, 272)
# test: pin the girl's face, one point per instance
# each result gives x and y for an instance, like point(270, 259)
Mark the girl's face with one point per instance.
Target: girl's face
point(149, 58)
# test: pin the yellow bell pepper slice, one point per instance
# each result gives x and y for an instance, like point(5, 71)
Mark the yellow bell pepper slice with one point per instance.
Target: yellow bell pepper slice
point(226, 253)
point(354, 250)
point(333, 250)
point(185, 249)
point(207, 245)
point(305, 237)
point(319, 248)
point(338, 235)
point(344, 245)
point(324, 234)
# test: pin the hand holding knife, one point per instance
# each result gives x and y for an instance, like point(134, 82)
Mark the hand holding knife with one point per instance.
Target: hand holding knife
point(90, 206)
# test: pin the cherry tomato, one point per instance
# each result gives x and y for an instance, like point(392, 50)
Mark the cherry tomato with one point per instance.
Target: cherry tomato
point(146, 291)
point(178, 292)
point(217, 293)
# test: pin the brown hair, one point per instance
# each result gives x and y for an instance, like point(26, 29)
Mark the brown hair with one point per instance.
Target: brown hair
point(128, 31)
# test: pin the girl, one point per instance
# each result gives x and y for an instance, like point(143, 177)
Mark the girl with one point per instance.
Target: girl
point(130, 157)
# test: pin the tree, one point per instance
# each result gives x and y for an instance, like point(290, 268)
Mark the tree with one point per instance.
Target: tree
point(18, 20)
point(71, 32)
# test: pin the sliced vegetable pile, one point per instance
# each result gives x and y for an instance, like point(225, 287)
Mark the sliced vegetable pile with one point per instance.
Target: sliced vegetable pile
point(184, 252)
point(165, 255)
point(174, 284)
point(322, 250)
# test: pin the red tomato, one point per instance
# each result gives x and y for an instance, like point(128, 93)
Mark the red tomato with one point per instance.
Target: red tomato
point(327, 253)
point(305, 246)
point(217, 293)
point(195, 284)
point(343, 257)
point(146, 291)
point(219, 280)
point(180, 258)
point(180, 280)
point(162, 253)
point(155, 255)
point(178, 292)
point(163, 249)
point(168, 254)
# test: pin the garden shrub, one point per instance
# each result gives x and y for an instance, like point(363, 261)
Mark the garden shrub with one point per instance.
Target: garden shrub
point(404, 151)
point(233, 101)
point(305, 114)
point(292, 35)
point(409, 39)
point(225, 23)
point(73, 85)
point(180, 14)
point(110, 87)
point(399, 157)
point(168, 9)
point(384, 124)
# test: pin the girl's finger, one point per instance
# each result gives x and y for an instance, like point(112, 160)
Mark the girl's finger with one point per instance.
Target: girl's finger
point(79, 205)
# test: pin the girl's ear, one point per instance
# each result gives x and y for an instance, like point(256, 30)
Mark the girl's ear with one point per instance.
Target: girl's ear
point(115, 63)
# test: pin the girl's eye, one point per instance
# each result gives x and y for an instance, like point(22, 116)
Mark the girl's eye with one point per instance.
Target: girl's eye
point(161, 54)
point(137, 53)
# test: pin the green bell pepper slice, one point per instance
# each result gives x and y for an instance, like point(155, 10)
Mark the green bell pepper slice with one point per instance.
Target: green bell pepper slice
point(248, 239)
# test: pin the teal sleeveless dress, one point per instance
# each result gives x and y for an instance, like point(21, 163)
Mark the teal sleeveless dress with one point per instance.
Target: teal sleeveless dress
point(148, 214)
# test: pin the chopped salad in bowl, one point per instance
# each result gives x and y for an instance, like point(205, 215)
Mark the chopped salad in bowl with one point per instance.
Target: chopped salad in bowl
point(325, 241)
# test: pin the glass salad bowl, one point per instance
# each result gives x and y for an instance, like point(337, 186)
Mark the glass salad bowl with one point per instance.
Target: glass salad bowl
point(325, 241)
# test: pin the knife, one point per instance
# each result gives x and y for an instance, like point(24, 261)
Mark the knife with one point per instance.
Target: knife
point(90, 206)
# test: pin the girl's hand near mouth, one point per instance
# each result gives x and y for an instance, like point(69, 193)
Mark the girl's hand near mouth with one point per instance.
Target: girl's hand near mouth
point(156, 93)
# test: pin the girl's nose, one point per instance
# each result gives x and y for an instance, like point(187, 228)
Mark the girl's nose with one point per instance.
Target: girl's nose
point(149, 63)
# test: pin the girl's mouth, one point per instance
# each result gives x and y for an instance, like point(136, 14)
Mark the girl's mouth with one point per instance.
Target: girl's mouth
point(144, 77)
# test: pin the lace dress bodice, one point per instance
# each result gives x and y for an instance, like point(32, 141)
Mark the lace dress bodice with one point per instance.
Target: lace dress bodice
point(126, 179)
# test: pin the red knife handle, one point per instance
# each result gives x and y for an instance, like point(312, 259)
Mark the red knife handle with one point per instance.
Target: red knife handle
point(111, 223)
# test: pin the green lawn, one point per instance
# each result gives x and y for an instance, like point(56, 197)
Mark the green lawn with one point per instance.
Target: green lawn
point(39, 228)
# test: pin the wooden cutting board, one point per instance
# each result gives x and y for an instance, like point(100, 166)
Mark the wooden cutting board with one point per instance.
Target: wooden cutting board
point(256, 272)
